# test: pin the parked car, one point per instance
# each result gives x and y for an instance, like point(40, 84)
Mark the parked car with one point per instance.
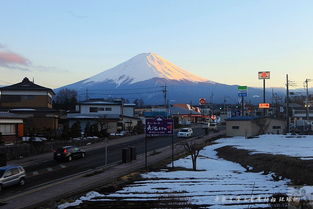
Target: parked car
point(68, 153)
point(121, 133)
point(185, 132)
point(12, 175)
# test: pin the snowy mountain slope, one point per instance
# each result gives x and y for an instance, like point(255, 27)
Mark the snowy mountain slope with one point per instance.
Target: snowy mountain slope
point(144, 77)
point(144, 67)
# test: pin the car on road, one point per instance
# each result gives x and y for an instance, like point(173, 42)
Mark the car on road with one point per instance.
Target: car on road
point(12, 175)
point(121, 133)
point(185, 132)
point(68, 153)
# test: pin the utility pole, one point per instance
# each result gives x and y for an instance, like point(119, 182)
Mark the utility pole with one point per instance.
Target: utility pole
point(264, 110)
point(287, 102)
point(242, 107)
point(165, 96)
point(307, 98)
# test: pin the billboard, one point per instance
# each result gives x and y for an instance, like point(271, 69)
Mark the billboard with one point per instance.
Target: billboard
point(159, 126)
point(264, 105)
point(242, 91)
point(264, 75)
point(202, 101)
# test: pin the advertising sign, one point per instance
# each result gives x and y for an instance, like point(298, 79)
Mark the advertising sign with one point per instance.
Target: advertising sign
point(159, 126)
point(202, 101)
point(242, 94)
point(242, 91)
point(242, 88)
point(264, 105)
point(264, 75)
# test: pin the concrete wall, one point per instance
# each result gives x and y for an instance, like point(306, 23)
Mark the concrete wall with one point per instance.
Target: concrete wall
point(242, 128)
point(129, 111)
point(274, 126)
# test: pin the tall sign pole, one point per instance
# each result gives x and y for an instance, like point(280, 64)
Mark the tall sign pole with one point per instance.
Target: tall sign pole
point(264, 75)
point(287, 103)
point(307, 102)
point(242, 92)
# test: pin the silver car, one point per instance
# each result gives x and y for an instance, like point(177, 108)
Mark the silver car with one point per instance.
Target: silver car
point(11, 175)
point(185, 132)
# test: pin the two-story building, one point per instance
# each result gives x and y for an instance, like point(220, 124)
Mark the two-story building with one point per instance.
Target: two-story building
point(113, 115)
point(31, 102)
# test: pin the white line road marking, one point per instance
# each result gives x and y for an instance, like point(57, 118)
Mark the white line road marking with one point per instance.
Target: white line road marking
point(50, 169)
point(35, 173)
point(62, 166)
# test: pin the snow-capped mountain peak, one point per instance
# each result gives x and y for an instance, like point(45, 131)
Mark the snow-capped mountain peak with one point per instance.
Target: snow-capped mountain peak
point(144, 67)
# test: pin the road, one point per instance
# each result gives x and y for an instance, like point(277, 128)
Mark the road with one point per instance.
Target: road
point(51, 171)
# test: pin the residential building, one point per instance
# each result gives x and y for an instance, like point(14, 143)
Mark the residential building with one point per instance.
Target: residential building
point(11, 127)
point(33, 103)
point(113, 115)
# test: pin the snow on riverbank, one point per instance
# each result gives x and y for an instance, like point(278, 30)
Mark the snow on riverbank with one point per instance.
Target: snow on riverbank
point(291, 145)
point(218, 183)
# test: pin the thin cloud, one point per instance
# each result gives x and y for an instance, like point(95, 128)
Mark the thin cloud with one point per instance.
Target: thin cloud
point(13, 60)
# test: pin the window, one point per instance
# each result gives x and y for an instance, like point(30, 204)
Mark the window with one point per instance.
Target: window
point(8, 129)
point(14, 171)
point(8, 173)
point(235, 127)
point(276, 127)
point(108, 109)
point(100, 109)
point(11, 98)
point(93, 109)
point(27, 97)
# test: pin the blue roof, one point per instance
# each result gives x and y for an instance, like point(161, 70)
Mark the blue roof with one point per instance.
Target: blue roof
point(155, 114)
point(242, 118)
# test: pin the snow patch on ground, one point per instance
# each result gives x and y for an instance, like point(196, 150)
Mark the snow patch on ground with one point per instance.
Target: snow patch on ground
point(219, 183)
point(291, 145)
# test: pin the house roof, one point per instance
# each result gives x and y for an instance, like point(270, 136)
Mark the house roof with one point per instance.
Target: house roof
point(97, 116)
point(155, 114)
point(9, 115)
point(105, 102)
point(26, 84)
point(242, 118)
point(183, 111)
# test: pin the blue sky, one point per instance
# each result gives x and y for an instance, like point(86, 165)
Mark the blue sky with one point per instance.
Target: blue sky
point(60, 42)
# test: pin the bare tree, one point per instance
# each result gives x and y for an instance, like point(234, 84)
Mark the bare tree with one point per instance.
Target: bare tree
point(65, 99)
point(193, 149)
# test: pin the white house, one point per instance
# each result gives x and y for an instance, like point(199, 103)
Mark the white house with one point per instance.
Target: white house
point(115, 115)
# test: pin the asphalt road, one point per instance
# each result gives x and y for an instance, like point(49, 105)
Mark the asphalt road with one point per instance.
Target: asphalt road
point(50, 171)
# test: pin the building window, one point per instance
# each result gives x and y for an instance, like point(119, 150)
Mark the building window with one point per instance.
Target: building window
point(235, 127)
point(8, 129)
point(108, 109)
point(100, 109)
point(93, 109)
point(27, 97)
point(276, 127)
point(11, 98)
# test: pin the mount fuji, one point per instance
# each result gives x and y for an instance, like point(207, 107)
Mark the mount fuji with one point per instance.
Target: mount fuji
point(146, 76)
